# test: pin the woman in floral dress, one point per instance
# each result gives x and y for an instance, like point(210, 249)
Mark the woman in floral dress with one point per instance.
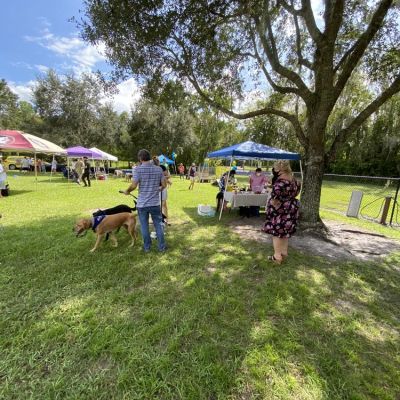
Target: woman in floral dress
point(282, 210)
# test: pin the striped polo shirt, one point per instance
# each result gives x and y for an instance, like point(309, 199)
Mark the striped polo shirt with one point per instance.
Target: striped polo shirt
point(149, 178)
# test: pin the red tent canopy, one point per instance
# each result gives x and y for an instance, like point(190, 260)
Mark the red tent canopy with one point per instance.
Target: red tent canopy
point(17, 140)
point(14, 140)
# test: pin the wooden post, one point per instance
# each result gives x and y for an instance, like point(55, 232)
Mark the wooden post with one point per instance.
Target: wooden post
point(395, 201)
point(385, 210)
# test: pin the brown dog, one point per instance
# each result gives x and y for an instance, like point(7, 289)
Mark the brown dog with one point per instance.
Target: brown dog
point(109, 224)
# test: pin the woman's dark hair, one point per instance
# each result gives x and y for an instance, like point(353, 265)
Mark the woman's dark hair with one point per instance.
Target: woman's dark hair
point(144, 155)
point(258, 170)
point(275, 176)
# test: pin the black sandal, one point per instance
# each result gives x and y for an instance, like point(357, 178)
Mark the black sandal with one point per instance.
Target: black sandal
point(274, 260)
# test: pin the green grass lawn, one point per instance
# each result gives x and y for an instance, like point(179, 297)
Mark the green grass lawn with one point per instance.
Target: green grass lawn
point(336, 196)
point(209, 319)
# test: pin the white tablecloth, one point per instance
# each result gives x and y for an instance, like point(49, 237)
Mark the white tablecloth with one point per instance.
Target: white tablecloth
point(246, 199)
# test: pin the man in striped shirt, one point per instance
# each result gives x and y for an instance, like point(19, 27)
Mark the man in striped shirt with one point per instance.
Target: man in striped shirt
point(149, 178)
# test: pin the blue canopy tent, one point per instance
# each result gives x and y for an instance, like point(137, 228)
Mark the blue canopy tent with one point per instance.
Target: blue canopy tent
point(163, 159)
point(252, 151)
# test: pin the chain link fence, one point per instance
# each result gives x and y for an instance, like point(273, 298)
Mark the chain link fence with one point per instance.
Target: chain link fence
point(380, 199)
point(380, 195)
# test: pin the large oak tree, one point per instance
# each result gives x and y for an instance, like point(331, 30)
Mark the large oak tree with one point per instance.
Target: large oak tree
point(224, 47)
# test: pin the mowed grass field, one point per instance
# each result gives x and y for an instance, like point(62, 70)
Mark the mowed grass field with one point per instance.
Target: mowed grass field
point(209, 319)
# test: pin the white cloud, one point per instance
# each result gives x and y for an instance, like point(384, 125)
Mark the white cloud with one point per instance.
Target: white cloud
point(42, 68)
point(38, 67)
point(80, 57)
point(128, 95)
point(23, 91)
point(22, 64)
point(44, 22)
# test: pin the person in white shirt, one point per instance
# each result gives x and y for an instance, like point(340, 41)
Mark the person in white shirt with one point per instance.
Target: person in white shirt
point(25, 164)
point(54, 165)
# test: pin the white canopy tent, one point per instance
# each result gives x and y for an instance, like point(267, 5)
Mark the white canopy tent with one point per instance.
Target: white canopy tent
point(105, 156)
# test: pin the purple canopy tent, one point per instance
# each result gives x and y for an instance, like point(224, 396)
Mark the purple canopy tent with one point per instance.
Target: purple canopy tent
point(79, 151)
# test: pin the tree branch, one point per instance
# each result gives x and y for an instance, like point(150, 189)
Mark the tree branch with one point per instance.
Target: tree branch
point(360, 119)
point(344, 58)
point(263, 111)
point(296, 13)
point(333, 18)
point(273, 58)
point(189, 73)
point(361, 45)
point(302, 60)
point(278, 88)
point(307, 13)
point(289, 8)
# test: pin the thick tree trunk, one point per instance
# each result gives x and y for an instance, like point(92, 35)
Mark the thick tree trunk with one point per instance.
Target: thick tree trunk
point(311, 188)
point(314, 165)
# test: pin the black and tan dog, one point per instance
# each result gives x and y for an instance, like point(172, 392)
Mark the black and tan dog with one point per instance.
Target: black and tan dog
point(107, 224)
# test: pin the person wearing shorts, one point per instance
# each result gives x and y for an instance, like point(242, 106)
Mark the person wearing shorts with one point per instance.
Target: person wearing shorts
point(192, 175)
point(181, 170)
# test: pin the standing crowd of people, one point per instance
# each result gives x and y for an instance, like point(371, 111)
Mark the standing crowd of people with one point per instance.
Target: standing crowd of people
point(153, 180)
point(282, 209)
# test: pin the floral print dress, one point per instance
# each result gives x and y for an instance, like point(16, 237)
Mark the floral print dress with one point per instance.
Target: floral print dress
point(282, 217)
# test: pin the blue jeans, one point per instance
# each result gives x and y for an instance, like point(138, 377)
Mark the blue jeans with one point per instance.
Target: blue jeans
point(155, 212)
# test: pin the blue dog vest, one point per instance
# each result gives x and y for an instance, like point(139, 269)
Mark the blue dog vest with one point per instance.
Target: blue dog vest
point(96, 221)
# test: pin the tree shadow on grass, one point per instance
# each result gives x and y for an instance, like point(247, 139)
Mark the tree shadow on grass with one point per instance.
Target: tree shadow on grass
point(210, 319)
point(227, 216)
point(54, 179)
point(16, 192)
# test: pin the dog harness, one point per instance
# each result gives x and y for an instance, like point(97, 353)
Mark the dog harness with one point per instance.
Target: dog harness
point(96, 221)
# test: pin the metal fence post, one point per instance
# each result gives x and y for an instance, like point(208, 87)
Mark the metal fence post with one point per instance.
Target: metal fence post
point(395, 201)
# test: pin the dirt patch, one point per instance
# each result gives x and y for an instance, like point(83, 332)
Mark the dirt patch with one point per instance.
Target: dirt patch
point(344, 241)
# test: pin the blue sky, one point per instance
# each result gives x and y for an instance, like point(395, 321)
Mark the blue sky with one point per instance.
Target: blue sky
point(37, 35)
